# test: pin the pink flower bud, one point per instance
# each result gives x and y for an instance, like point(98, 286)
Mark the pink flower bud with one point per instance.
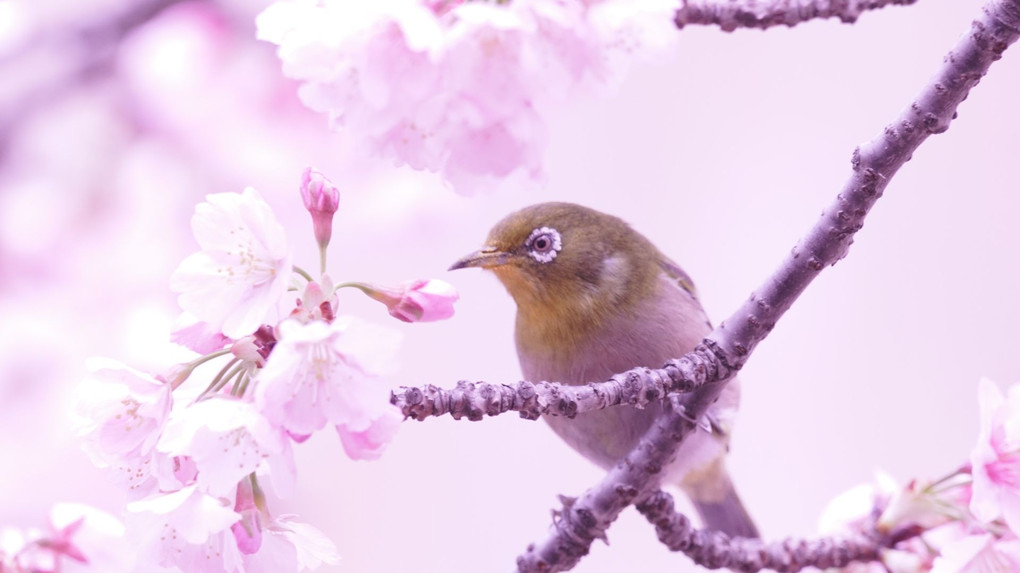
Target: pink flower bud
point(417, 301)
point(247, 531)
point(321, 199)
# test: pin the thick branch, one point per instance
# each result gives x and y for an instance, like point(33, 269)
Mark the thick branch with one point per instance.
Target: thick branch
point(732, 14)
point(636, 388)
point(634, 478)
point(716, 550)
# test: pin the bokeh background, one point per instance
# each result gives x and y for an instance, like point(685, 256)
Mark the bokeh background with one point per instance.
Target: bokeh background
point(115, 121)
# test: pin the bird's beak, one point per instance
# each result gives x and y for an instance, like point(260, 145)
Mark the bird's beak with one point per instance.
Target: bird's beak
point(485, 257)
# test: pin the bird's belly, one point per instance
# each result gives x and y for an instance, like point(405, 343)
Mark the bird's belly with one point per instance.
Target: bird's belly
point(605, 436)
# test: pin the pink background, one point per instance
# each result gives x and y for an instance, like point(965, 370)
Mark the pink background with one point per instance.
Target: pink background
point(723, 155)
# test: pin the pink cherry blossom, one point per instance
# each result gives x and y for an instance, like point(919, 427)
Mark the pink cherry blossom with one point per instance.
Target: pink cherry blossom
point(236, 281)
point(227, 439)
point(458, 87)
point(326, 372)
point(248, 531)
point(289, 545)
point(368, 443)
point(416, 301)
point(995, 460)
point(979, 554)
point(195, 335)
point(187, 529)
point(123, 412)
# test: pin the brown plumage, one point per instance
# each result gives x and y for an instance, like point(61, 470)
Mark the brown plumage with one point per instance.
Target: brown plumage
point(594, 297)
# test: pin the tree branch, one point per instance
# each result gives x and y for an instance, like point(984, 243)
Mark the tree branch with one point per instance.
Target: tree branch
point(716, 550)
point(732, 14)
point(636, 388)
point(633, 479)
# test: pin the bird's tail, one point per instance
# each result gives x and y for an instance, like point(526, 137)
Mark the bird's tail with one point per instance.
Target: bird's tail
point(717, 502)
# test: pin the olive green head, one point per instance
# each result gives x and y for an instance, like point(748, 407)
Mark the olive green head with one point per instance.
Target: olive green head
point(561, 257)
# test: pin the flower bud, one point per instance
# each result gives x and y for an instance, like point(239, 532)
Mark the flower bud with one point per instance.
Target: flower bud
point(416, 301)
point(321, 198)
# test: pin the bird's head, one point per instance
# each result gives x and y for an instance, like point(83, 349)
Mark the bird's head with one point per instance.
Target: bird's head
point(559, 260)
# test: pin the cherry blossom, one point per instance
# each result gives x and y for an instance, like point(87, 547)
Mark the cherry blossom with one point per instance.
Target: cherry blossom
point(458, 87)
point(979, 554)
point(227, 439)
point(289, 545)
point(368, 443)
point(236, 281)
point(123, 412)
point(326, 372)
point(198, 336)
point(187, 529)
point(995, 460)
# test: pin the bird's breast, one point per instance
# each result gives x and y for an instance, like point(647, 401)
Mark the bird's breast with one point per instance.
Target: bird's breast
point(665, 325)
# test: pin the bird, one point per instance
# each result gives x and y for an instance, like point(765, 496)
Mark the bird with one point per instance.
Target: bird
point(595, 298)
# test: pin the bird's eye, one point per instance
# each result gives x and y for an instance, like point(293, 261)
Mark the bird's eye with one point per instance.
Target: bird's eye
point(543, 244)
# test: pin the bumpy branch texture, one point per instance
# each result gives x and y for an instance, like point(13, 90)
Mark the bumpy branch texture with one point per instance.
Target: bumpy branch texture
point(732, 14)
point(634, 478)
point(637, 388)
point(716, 550)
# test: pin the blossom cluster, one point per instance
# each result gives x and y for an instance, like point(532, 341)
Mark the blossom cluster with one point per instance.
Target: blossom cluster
point(278, 362)
point(458, 87)
point(967, 521)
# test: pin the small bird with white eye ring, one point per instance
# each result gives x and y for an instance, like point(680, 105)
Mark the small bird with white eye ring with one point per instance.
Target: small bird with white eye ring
point(594, 298)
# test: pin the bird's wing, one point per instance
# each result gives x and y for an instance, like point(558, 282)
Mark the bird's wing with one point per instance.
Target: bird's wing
point(683, 280)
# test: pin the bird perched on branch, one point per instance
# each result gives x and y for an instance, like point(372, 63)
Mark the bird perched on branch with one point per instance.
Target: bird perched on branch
point(595, 298)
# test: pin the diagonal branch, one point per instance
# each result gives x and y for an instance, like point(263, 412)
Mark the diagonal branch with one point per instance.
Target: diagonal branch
point(634, 478)
point(732, 14)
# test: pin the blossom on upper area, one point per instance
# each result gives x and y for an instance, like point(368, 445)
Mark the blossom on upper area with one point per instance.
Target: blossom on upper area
point(235, 282)
point(457, 87)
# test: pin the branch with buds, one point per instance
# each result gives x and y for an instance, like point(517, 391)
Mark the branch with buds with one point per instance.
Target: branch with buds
point(730, 15)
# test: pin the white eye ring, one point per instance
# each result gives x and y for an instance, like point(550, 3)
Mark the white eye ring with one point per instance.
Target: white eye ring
point(544, 252)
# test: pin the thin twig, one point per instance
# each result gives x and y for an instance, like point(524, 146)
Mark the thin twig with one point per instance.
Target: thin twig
point(635, 477)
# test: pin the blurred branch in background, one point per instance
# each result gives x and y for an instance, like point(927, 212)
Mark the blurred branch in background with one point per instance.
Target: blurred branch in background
point(52, 61)
point(732, 14)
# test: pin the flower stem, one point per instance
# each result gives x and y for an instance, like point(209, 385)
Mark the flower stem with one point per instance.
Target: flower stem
point(303, 273)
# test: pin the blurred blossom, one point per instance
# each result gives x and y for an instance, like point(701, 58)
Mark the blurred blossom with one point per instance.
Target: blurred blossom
point(457, 88)
point(995, 460)
point(123, 412)
point(78, 538)
point(236, 281)
point(855, 510)
point(979, 554)
point(326, 372)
